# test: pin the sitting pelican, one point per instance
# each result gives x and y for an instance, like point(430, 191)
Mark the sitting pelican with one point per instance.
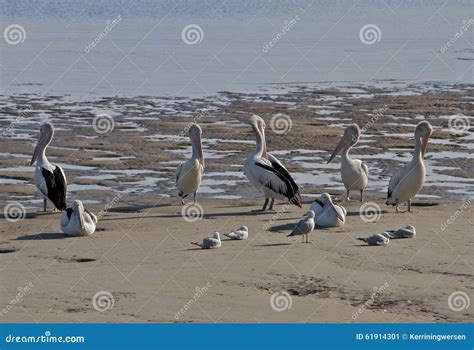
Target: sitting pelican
point(189, 173)
point(354, 172)
point(409, 179)
point(267, 173)
point(209, 242)
point(241, 233)
point(304, 226)
point(49, 178)
point(77, 221)
point(327, 213)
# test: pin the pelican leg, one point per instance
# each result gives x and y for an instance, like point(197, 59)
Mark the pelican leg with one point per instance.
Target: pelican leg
point(270, 207)
point(44, 204)
point(361, 195)
point(302, 239)
point(264, 206)
point(396, 208)
point(347, 196)
point(195, 197)
point(409, 205)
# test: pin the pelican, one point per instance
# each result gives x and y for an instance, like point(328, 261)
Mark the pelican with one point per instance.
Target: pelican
point(328, 213)
point(241, 233)
point(209, 242)
point(408, 231)
point(77, 221)
point(49, 178)
point(354, 172)
point(267, 173)
point(189, 173)
point(304, 226)
point(409, 179)
point(377, 239)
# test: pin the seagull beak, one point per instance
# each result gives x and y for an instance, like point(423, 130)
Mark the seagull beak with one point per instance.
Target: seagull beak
point(339, 146)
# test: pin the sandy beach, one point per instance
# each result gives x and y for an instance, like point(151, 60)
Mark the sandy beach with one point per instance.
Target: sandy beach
point(142, 255)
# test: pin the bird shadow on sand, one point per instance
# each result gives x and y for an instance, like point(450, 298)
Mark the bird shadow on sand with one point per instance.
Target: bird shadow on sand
point(43, 235)
point(358, 213)
point(283, 227)
point(136, 208)
point(272, 245)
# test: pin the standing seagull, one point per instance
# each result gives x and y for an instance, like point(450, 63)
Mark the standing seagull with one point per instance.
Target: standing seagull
point(354, 172)
point(267, 173)
point(304, 226)
point(409, 179)
point(49, 178)
point(189, 173)
point(77, 221)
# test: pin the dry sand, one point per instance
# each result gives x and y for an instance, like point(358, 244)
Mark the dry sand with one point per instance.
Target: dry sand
point(141, 254)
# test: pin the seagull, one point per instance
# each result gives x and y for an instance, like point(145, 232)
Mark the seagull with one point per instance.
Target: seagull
point(77, 221)
point(354, 172)
point(304, 226)
point(241, 233)
point(328, 213)
point(49, 178)
point(405, 232)
point(209, 242)
point(377, 239)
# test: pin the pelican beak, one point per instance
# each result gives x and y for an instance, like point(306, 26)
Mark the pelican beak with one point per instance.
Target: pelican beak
point(262, 132)
point(424, 145)
point(335, 210)
point(80, 214)
point(39, 144)
point(343, 142)
point(198, 143)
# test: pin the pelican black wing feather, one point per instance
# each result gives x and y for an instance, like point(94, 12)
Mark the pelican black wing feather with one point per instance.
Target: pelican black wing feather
point(291, 188)
point(56, 184)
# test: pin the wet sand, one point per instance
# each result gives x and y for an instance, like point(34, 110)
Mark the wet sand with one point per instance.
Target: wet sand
point(141, 255)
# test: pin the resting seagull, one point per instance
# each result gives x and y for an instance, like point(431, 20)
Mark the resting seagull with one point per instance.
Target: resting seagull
point(49, 178)
point(209, 242)
point(377, 239)
point(241, 233)
point(405, 232)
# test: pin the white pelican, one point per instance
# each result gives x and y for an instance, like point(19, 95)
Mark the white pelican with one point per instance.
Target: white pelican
point(189, 173)
point(328, 213)
point(77, 221)
point(354, 172)
point(304, 226)
point(409, 179)
point(267, 173)
point(408, 231)
point(209, 242)
point(49, 178)
point(241, 233)
point(377, 239)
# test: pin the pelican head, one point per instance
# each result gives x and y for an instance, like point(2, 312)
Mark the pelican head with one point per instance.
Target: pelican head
point(78, 208)
point(45, 137)
point(195, 133)
point(216, 235)
point(349, 138)
point(423, 130)
point(327, 200)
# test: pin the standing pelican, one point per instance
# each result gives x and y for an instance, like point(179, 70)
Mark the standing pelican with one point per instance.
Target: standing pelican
point(304, 226)
point(77, 221)
point(354, 172)
point(409, 179)
point(49, 178)
point(267, 173)
point(330, 214)
point(189, 173)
